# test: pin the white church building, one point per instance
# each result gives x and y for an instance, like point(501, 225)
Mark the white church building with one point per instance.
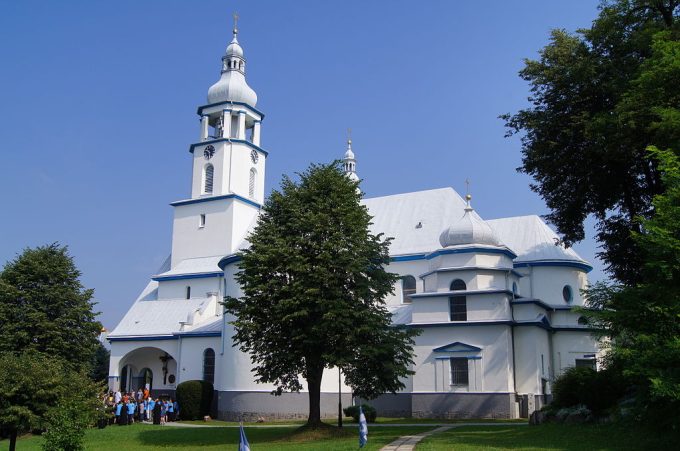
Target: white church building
point(494, 298)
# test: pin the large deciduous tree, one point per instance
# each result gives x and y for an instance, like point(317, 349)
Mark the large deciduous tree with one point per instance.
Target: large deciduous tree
point(643, 321)
point(34, 388)
point(314, 284)
point(45, 308)
point(599, 98)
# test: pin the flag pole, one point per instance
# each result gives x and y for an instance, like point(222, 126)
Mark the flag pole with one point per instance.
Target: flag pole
point(339, 398)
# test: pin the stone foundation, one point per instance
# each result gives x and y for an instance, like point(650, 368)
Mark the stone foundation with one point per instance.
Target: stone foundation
point(249, 406)
point(462, 405)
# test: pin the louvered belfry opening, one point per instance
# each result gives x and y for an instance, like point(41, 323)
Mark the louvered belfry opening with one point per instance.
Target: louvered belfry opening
point(208, 186)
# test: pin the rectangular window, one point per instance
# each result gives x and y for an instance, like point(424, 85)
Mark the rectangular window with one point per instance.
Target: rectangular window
point(459, 371)
point(201, 221)
point(586, 363)
point(458, 308)
point(188, 292)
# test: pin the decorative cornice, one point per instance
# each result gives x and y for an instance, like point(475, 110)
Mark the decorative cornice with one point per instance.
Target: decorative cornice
point(229, 259)
point(228, 102)
point(204, 275)
point(434, 294)
point(472, 268)
point(231, 140)
point(565, 263)
point(211, 198)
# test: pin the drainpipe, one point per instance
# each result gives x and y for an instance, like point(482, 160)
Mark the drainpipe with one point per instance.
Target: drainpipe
point(512, 341)
point(179, 360)
point(221, 291)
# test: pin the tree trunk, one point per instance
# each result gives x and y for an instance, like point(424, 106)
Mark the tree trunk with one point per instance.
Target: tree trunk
point(314, 386)
point(13, 441)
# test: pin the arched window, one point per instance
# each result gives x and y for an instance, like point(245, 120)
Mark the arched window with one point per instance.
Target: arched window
point(458, 285)
point(208, 179)
point(251, 183)
point(583, 321)
point(567, 294)
point(458, 303)
point(515, 291)
point(209, 365)
point(408, 287)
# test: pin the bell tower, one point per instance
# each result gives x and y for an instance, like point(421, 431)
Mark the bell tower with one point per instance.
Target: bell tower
point(228, 168)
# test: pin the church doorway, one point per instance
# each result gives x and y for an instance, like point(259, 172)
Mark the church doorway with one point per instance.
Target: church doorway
point(147, 365)
point(126, 378)
point(145, 379)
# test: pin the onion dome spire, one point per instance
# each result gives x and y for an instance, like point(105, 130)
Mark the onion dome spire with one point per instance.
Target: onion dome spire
point(469, 229)
point(232, 86)
point(349, 163)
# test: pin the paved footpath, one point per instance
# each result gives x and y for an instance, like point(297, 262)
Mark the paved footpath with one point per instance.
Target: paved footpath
point(409, 442)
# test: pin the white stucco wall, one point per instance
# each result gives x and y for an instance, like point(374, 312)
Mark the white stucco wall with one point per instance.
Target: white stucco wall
point(177, 289)
point(492, 373)
point(189, 240)
point(546, 283)
point(530, 344)
point(569, 346)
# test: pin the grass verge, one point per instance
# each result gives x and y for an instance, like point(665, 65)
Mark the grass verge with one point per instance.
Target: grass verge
point(146, 437)
point(551, 437)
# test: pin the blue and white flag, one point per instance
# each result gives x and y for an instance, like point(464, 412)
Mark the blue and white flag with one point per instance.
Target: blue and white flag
point(243, 444)
point(363, 428)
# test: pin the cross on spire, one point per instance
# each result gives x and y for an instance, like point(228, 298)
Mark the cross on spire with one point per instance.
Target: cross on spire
point(235, 23)
point(349, 136)
point(468, 197)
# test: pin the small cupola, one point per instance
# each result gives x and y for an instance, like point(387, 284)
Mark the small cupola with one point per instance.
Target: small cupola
point(349, 162)
point(232, 85)
point(469, 229)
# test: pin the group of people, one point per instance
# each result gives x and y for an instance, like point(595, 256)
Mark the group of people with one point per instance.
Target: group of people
point(141, 407)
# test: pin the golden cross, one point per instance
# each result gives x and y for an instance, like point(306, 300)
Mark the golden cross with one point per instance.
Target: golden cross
point(235, 22)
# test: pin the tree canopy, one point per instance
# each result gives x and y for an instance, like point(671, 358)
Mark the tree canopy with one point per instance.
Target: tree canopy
point(314, 284)
point(643, 320)
point(34, 386)
point(599, 98)
point(45, 308)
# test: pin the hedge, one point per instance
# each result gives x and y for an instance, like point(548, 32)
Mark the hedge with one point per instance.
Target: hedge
point(194, 399)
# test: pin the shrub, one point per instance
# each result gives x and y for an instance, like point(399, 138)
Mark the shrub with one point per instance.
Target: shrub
point(596, 390)
point(369, 412)
point(194, 399)
point(66, 426)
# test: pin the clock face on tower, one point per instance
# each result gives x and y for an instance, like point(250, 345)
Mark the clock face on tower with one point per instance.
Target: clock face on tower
point(254, 155)
point(209, 152)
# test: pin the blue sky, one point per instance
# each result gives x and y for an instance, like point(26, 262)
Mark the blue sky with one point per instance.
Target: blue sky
point(98, 108)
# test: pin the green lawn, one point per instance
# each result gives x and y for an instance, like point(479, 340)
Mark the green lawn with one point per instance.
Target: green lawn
point(278, 438)
point(148, 437)
point(551, 437)
point(350, 423)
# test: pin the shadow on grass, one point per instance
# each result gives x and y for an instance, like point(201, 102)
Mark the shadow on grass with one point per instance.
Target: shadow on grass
point(208, 436)
point(192, 438)
point(546, 437)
